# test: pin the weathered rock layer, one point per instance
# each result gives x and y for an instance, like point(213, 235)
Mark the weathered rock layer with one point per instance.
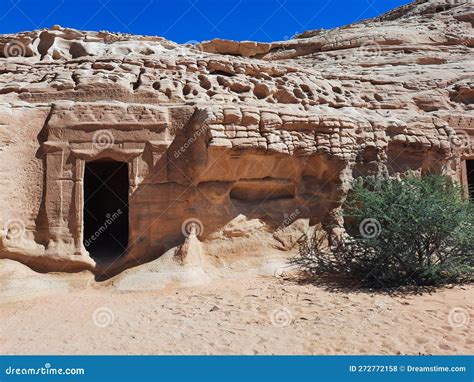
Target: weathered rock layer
point(253, 144)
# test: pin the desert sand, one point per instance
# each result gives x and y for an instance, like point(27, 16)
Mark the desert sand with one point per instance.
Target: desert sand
point(72, 314)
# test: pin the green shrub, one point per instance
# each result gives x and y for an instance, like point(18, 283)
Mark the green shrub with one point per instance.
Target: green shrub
point(418, 230)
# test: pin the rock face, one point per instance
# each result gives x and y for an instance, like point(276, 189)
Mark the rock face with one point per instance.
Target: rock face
point(234, 150)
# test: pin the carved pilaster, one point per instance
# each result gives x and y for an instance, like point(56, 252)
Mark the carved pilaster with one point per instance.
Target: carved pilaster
point(79, 206)
point(54, 188)
point(133, 175)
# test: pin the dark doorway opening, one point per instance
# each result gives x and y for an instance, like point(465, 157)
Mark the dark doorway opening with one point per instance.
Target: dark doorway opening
point(470, 178)
point(106, 209)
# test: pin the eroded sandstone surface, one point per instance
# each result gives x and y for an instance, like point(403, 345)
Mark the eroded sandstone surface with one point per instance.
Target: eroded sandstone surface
point(235, 150)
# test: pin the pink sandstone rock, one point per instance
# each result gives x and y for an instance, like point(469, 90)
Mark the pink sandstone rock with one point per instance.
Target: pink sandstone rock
point(253, 144)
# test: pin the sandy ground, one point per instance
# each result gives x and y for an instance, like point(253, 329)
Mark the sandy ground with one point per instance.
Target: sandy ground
point(255, 315)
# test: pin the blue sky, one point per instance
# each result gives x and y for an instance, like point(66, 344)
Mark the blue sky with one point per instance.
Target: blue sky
point(191, 20)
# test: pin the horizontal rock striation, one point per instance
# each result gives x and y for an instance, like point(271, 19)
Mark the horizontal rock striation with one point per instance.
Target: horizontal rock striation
point(258, 142)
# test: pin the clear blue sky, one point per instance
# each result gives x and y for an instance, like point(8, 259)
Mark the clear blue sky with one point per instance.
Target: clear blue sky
point(191, 20)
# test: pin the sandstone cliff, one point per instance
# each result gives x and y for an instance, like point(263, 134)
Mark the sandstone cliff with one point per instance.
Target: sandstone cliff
point(257, 142)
